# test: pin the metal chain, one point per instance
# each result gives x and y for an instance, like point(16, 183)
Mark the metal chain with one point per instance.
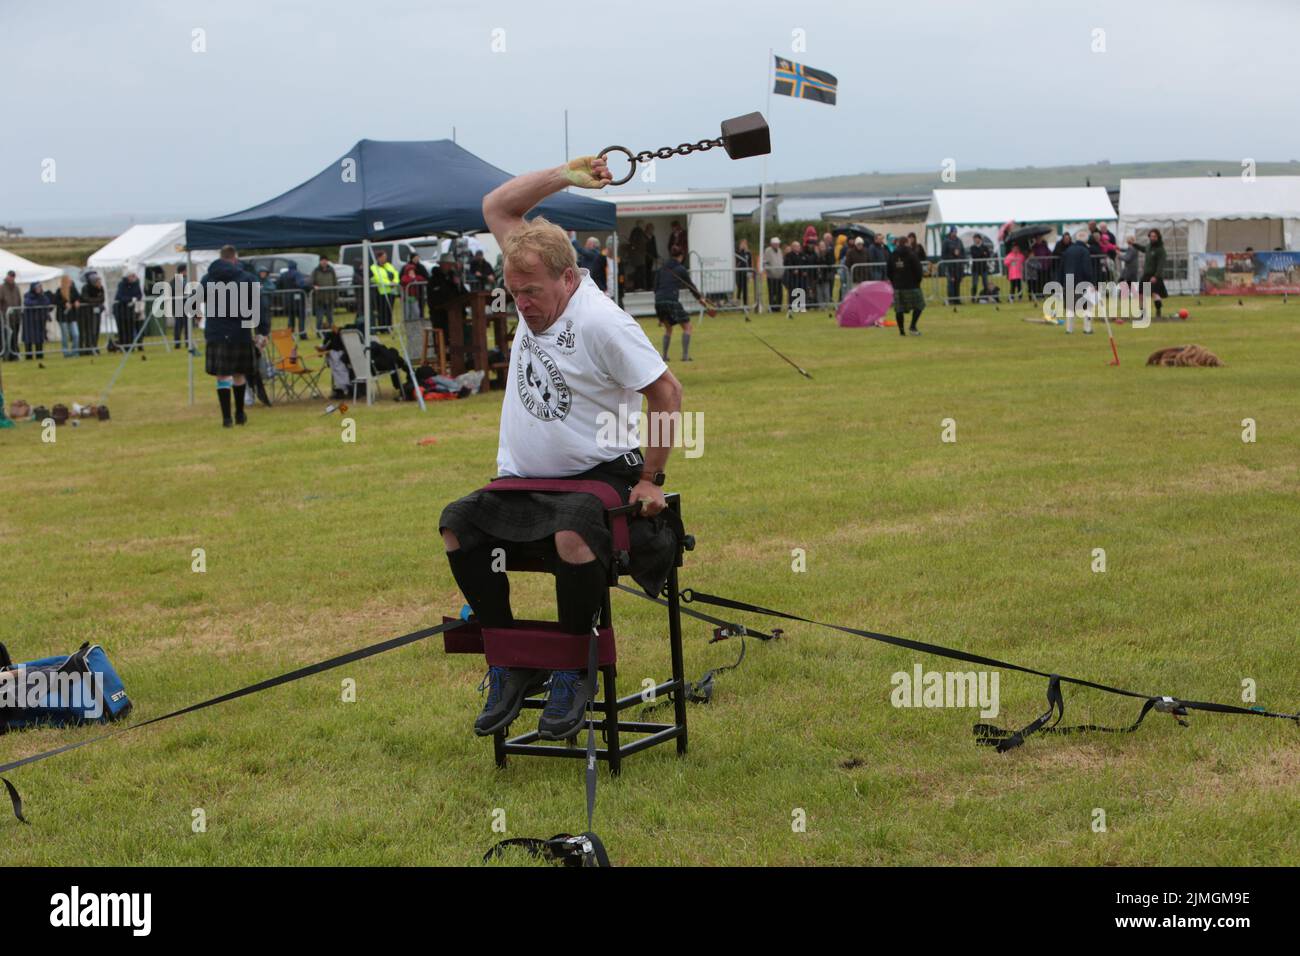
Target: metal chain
point(666, 152)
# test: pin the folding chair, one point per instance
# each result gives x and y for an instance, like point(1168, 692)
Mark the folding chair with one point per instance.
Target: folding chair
point(290, 370)
point(359, 359)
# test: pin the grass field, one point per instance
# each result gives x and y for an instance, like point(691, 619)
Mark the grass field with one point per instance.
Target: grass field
point(315, 547)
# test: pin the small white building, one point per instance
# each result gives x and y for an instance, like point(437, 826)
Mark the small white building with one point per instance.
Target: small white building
point(1199, 214)
point(710, 240)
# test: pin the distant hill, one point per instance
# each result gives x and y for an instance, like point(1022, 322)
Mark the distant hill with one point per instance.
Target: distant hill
point(1099, 174)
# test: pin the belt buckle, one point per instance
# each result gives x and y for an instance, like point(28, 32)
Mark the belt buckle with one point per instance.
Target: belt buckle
point(633, 459)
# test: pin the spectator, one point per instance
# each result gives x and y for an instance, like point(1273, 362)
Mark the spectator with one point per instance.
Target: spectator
point(324, 295)
point(1100, 263)
point(36, 312)
point(444, 285)
point(1039, 266)
point(1015, 263)
point(1153, 267)
point(980, 259)
point(484, 277)
point(66, 302)
point(179, 323)
point(592, 258)
point(1131, 262)
point(825, 273)
point(904, 271)
point(1004, 245)
point(809, 238)
point(292, 286)
point(953, 254)
point(774, 270)
point(677, 238)
point(91, 313)
point(384, 278)
point(877, 257)
point(795, 296)
point(1109, 248)
point(415, 283)
point(1077, 280)
point(857, 261)
point(651, 253)
point(11, 304)
point(744, 266)
point(1058, 258)
point(124, 311)
point(228, 341)
point(635, 258)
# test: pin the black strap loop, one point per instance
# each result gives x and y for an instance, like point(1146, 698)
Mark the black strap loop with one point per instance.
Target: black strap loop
point(989, 734)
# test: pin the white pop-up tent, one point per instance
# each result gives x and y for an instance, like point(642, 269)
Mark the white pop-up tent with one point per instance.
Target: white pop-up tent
point(1064, 208)
point(148, 244)
point(27, 271)
point(1210, 214)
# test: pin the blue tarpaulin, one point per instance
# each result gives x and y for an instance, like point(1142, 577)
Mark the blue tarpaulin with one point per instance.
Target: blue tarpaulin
point(385, 190)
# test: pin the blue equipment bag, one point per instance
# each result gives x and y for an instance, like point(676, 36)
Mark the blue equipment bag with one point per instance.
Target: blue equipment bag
point(60, 691)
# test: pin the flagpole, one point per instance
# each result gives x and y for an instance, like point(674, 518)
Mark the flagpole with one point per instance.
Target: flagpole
point(760, 294)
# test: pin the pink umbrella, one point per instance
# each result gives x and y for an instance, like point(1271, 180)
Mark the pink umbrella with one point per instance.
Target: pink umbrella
point(866, 305)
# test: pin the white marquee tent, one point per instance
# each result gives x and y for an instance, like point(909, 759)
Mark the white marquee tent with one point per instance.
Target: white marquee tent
point(985, 210)
point(148, 244)
point(27, 271)
point(1210, 214)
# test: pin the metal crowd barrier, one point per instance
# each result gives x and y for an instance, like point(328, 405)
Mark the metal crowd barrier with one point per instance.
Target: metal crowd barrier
point(86, 329)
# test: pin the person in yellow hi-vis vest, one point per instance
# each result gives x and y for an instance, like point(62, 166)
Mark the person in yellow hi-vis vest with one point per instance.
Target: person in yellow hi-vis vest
point(384, 278)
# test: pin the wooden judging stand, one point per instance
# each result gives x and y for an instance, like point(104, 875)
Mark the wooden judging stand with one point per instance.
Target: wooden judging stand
point(480, 321)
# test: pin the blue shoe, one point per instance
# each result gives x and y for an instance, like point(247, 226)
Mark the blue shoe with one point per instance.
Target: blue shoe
point(562, 717)
point(507, 688)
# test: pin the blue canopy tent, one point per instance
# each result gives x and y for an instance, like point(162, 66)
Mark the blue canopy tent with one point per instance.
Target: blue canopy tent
point(385, 190)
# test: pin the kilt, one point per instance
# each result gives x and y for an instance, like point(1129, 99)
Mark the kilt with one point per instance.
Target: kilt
point(908, 300)
point(229, 358)
point(1158, 287)
point(487, 517)
point(672, 313)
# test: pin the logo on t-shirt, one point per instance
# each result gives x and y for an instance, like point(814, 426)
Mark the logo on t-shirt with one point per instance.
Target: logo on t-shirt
point(567, 341)
point(542, 388)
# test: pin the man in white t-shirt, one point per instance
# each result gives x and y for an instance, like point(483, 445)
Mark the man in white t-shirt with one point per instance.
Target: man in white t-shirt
point(578, 368)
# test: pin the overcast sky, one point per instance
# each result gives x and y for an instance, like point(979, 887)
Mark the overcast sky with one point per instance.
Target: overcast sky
point(137, 122)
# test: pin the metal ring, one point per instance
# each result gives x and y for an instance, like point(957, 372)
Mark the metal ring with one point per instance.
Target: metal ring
point(687, 595)
point(630, 158)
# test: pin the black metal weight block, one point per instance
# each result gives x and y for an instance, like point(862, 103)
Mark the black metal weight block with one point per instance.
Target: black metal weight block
point(744, 136)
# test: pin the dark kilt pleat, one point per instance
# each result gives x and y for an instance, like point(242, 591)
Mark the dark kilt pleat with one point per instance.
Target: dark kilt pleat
point(484, 517)
point(230, 358)
point(908, 300)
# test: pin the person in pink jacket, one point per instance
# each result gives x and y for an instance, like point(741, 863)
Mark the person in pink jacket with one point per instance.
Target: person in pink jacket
point(1015, 263)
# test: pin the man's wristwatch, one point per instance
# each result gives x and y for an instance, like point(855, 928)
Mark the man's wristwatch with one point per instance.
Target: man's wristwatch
point(654, 477)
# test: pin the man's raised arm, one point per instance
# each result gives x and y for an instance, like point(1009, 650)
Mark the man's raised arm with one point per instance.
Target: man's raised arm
point(505, 206)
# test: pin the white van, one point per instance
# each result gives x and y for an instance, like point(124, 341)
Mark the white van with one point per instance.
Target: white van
point(428, 247)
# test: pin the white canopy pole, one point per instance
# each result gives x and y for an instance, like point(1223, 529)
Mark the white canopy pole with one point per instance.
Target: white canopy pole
point(365, 299)
point(189, 323)
point(760, 298)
